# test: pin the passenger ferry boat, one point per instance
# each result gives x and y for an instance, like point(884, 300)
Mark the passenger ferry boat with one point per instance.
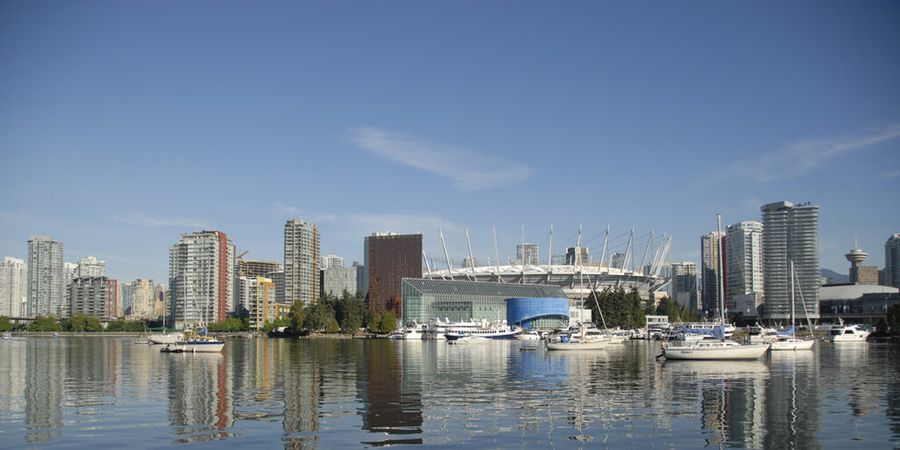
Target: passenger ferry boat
point(485, 329)
point(848, 333)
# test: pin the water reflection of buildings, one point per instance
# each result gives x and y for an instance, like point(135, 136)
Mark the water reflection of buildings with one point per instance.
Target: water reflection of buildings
point(393, 391)
point(43, 389)
point(793, 403)
point(200, 402)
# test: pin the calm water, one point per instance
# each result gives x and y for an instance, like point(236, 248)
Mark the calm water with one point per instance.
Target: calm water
point(89, 391)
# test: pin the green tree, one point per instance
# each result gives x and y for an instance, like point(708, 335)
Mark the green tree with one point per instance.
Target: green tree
point(319, 316)
point(44, 323)
point(373, 322)
point(350, 312)
point(388, 321)
point(229, 325)
point(619, 309)
point(5, 324)
point(297, 317)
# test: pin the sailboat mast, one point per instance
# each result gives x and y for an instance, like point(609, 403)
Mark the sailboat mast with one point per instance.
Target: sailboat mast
point(792, 293)
point(720, 288)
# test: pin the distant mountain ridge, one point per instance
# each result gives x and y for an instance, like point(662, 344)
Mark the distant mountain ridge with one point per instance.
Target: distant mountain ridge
point(834, 276)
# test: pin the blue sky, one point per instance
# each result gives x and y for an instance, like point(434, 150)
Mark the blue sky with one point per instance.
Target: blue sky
point(124, 124)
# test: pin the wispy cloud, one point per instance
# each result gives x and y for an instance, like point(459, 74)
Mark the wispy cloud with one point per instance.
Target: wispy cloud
point(401, 223)
point(14, 215)
point(468, 171)
point(891, 174)
point(800, 158)
point(146, 220)
point(305, 214)
point(103, 256)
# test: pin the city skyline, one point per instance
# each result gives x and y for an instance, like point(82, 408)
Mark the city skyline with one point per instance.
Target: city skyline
point(425, 128)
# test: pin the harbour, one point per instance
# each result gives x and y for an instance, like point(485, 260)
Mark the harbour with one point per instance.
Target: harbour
point(340, 393)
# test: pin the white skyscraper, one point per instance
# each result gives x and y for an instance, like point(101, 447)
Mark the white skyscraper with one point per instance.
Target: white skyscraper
point(201, 278)
point(790, 233)
point(46, 280)
point(743, 250)
point(301, 262)
point(13, 287)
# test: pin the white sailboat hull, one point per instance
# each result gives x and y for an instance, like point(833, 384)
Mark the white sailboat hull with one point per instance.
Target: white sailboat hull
point(793, 344)
point(732, 352)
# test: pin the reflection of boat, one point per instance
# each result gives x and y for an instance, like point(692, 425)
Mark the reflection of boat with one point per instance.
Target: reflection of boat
point(464, 340)
point(714, 369)
point(848, 333)
point(165, 338)
point(582, 338)
point(6, 336)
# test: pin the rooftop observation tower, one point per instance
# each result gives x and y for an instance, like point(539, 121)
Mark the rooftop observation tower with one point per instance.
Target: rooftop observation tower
point(856, 257)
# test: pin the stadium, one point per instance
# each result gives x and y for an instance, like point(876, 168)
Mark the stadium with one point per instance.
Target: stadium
point(579, 273)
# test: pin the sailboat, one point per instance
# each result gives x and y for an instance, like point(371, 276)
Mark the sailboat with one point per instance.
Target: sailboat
point(715, 346)
point(787, 339)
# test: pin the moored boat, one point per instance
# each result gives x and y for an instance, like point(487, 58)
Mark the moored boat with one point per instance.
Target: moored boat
point(195, 344)
point(848, 333)
point(165, 338)
point(713, 349)
point(581, 338)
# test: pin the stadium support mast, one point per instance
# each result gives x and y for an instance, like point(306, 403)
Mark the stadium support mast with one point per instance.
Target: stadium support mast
point(496, 255)
point(471, 258)
point(605, 241)
point(550, 248)
point(446, 255)
point(647, 250)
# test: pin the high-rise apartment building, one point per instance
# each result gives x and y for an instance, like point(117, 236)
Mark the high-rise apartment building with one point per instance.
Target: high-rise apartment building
point(13, 287)
point(790, 233)
point(711, 272)
point(139, 299)
point(527, 254)
point(201, 278)
point(90, 267)
point(390, 258)
point(329, 261)
point(362, 283)
point(336, 280)
point(257, 300)
point(743, 252)
point(684, 285)
point(93, 296)
point(892, 261)
point(301, 262)
point(46, 280)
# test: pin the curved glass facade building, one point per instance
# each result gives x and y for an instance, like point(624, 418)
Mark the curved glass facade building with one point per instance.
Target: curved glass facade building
point(542, 312)
point(474, 300)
